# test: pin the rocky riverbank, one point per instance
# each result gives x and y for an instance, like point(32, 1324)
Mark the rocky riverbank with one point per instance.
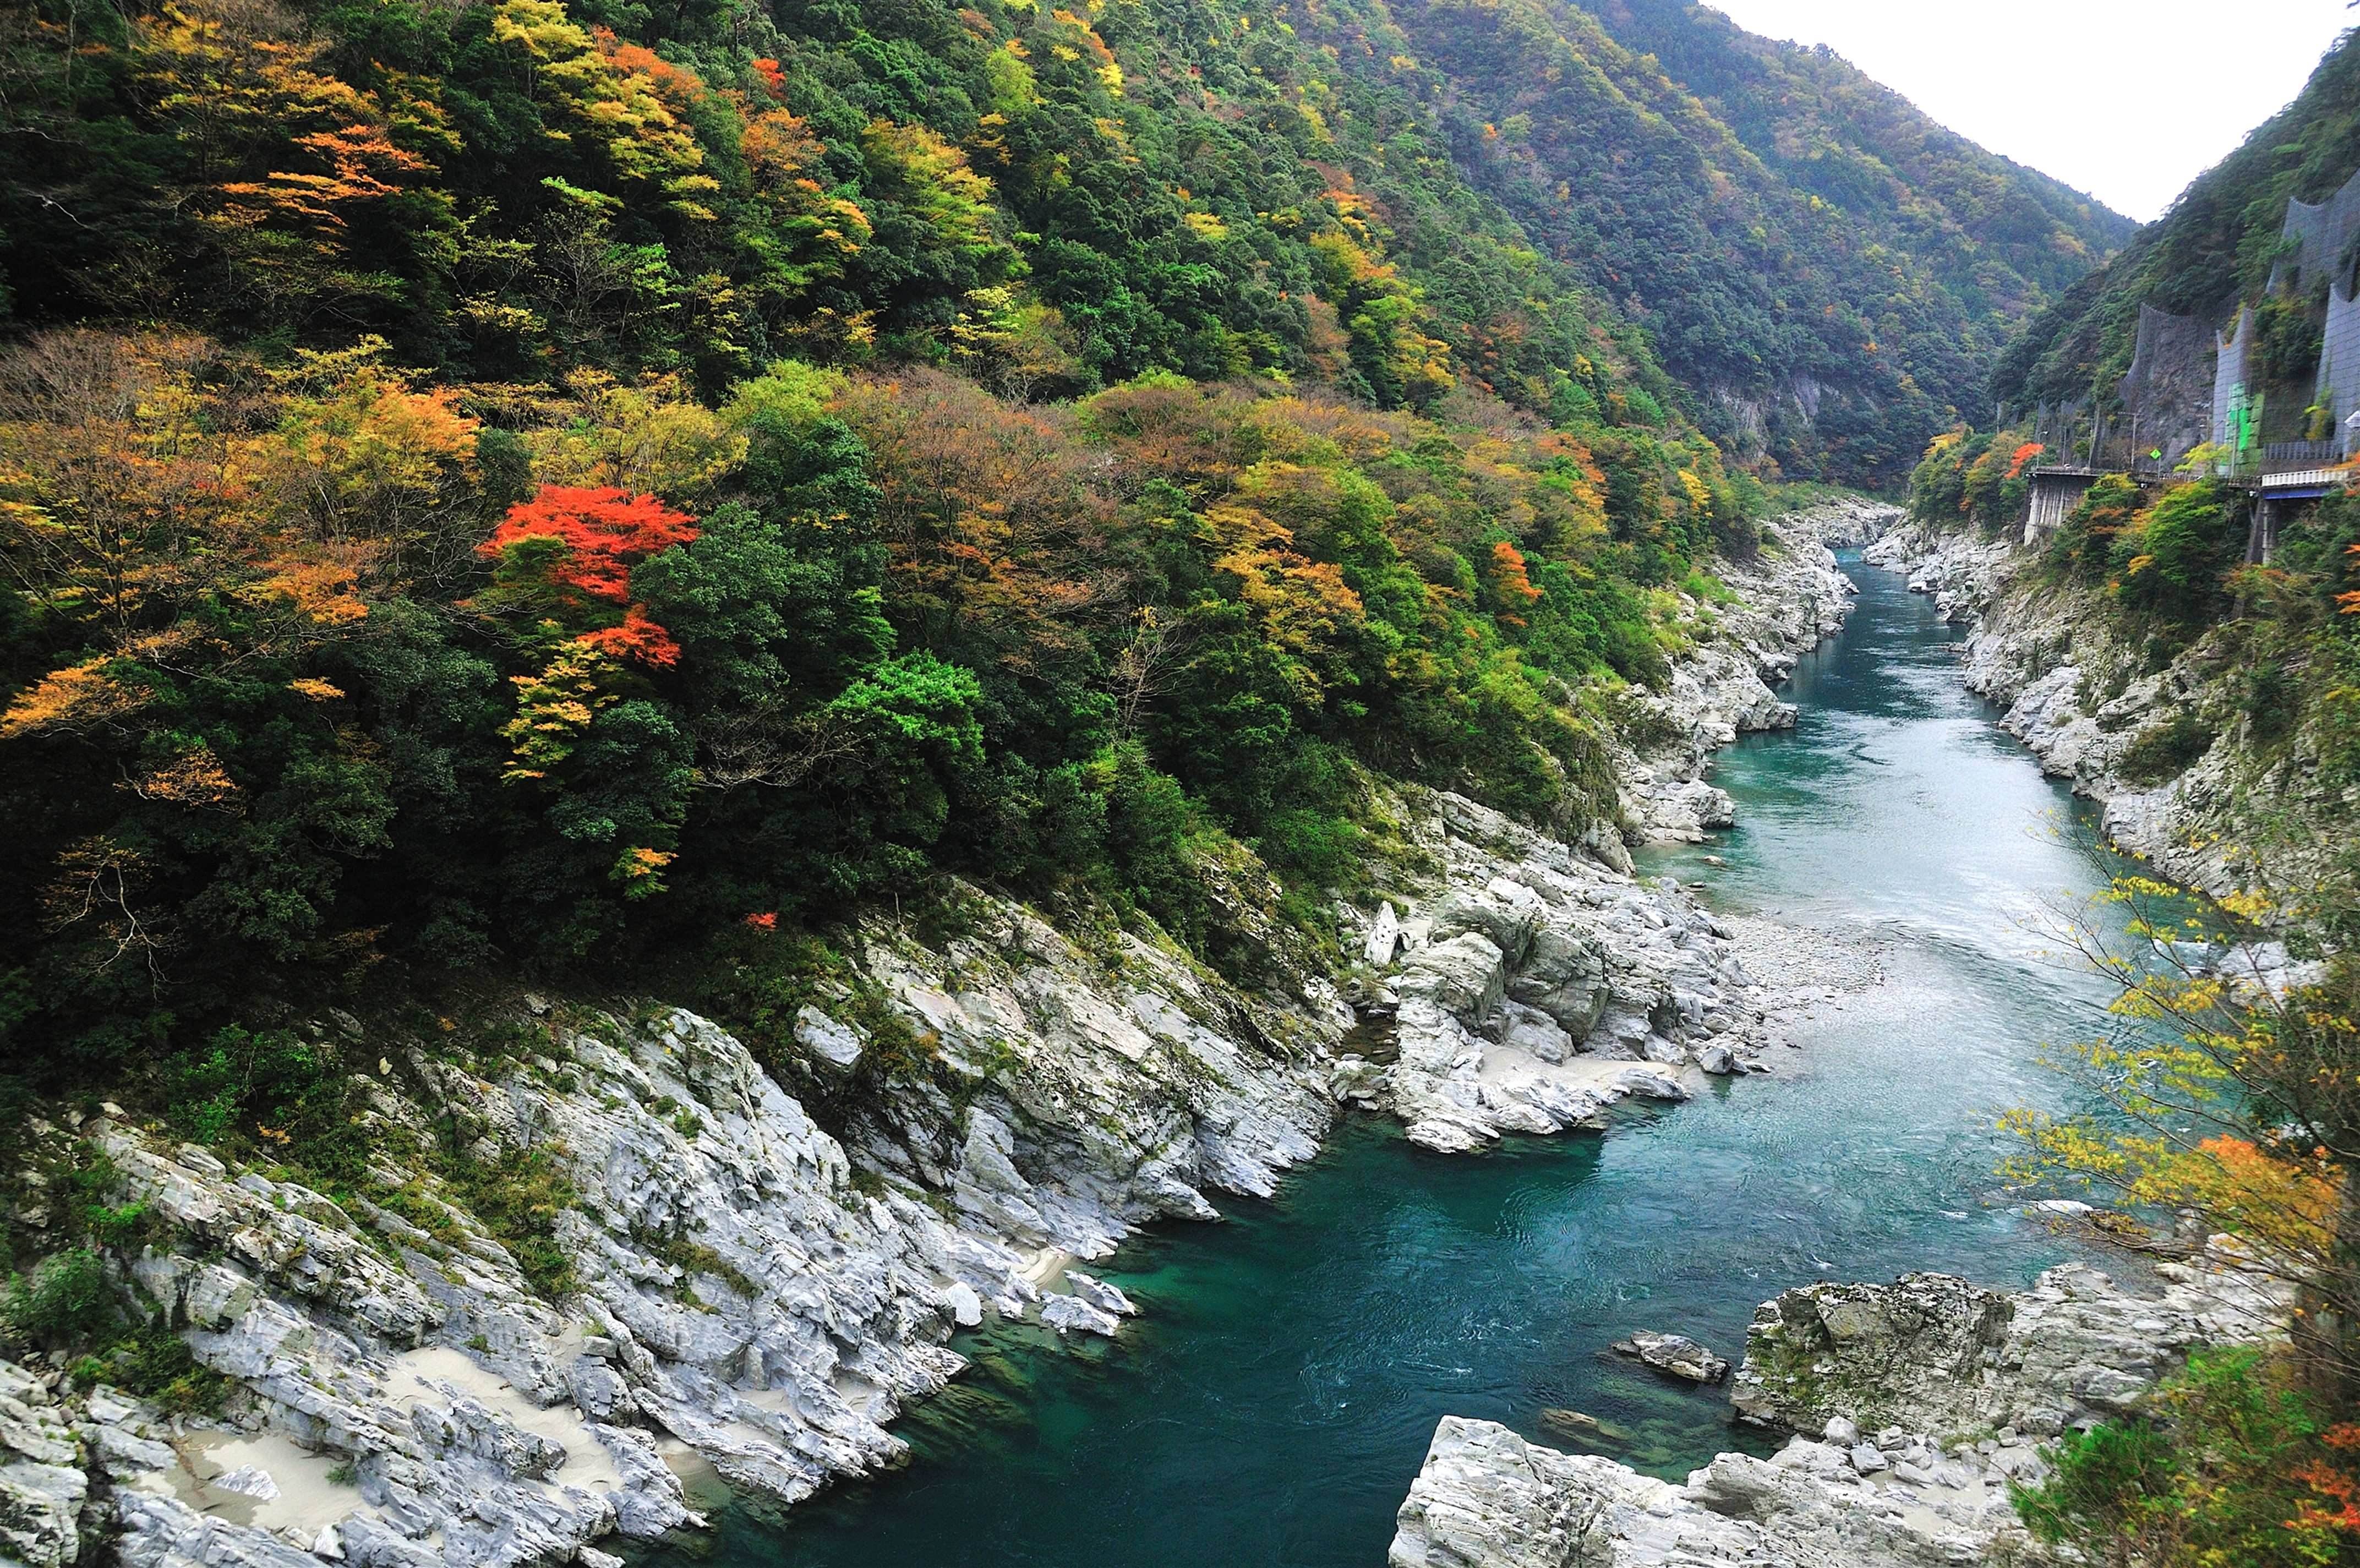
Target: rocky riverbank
point(1913, 1407)
point(743, 1297)
point(1524, 987)
point(750, 1299)
point(1785, 602)
point(2169, 754)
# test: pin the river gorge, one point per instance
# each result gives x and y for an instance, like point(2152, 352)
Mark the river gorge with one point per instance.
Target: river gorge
point(1278, 1391)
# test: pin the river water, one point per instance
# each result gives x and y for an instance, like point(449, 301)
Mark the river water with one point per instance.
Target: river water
point(1275, 1402)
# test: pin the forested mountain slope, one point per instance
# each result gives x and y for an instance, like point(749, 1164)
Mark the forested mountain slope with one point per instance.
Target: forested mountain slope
point(506, 186)
point(1828, 272)
point(2002, 236)
point(2218, 244)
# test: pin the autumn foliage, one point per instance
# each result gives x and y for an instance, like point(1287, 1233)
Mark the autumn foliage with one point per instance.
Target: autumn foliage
point(585, 542)
point(516, 482)
point(604, 533)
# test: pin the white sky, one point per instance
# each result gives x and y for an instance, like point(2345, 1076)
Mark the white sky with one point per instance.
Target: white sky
point(2128, 100)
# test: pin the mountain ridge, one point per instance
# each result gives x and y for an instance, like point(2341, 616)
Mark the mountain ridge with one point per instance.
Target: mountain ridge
point(1805, 334)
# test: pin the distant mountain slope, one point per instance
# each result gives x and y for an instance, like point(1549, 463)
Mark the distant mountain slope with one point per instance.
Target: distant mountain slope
point(1397, 200)
point(2217, 246)
point(1832, 294)
point(1999, 235)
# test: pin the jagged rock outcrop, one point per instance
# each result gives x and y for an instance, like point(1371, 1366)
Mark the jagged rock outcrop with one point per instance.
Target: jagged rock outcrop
point(743, 1297)
point(2165, 753)
point(1851, 522)
point(1789, 598)
point(44, 1493)
point(1487, 1498)
point(1676, 1355)
point(1098, 1090)
point(1937, 1355)
point(1530, 985)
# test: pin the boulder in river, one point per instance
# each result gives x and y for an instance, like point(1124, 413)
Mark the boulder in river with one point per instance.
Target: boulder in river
point(1675, 1354)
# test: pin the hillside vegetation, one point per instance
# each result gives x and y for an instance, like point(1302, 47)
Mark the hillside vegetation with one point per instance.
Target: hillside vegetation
point(522, 483)
point(2001, 237)
point(1828, 272)
point(2216, 245)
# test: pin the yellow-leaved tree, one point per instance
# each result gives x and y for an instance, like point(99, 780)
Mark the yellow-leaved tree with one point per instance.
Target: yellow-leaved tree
point(2234, 1085)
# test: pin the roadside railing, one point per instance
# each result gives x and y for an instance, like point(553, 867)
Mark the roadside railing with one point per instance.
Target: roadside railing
point(2288, 457)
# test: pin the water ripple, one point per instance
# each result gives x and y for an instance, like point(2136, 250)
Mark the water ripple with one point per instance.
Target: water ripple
point(1272, 1407)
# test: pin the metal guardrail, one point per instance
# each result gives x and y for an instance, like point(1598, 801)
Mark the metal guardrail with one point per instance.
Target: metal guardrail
point(2287, 457)
point(2301, 479)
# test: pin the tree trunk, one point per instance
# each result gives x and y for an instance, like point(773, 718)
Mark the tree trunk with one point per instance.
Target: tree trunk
point(2326, 1357)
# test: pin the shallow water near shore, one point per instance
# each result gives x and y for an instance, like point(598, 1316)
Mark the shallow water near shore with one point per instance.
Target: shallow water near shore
point(1276, 1401)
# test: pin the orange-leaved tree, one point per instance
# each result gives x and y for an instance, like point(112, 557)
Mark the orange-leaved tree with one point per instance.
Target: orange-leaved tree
point(2234, 1085)
point(566, 555)
point(564, 561)
point(1510, 584)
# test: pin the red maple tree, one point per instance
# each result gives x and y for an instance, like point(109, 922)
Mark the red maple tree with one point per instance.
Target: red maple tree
point(604, 533)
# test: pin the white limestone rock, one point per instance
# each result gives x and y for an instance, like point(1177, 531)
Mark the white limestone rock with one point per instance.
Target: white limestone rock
point(837, 1043)
point(40, 1512)
point(1676, 1355)
point(1384, 937)
point(1934, 1353)
point(247, 1481)
point(1542, 986)
point(1790, 597)
point(1487, 1498)
point(1106, 1297)
point(1070, 1314)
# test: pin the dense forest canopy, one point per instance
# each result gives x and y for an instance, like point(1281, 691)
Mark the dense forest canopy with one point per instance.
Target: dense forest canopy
point(541, 483)
point(498, 188)
point(2001, 236)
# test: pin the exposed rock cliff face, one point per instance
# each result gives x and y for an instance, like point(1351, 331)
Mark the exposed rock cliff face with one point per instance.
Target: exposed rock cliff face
point(748, 1298)
point(2165, 753)
point(751, 1299)
point(1915, 1405)
point(1093, 1089)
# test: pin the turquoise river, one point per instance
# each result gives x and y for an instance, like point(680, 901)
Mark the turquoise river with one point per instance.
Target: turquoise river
point(1274, 1403)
